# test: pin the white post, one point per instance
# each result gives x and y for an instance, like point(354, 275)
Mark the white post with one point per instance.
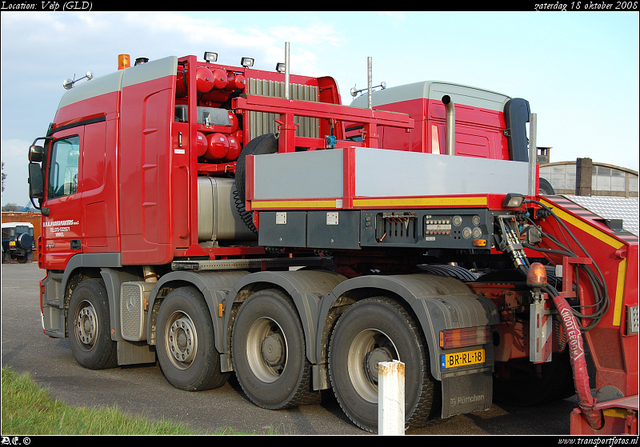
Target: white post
point(391, 398)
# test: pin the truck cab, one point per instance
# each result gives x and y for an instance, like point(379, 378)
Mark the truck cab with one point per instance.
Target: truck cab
point(487, 124)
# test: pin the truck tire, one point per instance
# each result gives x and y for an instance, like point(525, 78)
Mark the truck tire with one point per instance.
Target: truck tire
point(264, 144)
point(545, 188)
point(268, 350)
point(185, 342)
point(371, 331)
point(88, 326)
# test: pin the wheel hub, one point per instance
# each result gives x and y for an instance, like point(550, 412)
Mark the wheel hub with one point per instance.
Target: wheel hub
point(266, 350)
point(182, 340)
point(86, 325)
point(273, 349)
point(371, 361)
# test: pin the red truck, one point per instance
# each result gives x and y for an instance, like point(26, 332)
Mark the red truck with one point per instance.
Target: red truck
point(222, 219)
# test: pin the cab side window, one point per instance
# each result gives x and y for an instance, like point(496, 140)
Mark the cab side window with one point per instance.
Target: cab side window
point(63, 169)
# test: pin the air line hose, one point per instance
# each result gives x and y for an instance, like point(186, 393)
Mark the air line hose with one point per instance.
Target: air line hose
point(586, 401)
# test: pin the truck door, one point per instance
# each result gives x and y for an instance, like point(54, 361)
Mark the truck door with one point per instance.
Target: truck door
point(98, 190)
point(62, 226)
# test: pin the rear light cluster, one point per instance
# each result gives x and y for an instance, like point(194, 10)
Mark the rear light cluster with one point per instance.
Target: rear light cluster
point(459, 338)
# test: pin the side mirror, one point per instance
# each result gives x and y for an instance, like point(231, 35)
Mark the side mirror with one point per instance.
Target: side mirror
point(36, 181)
point(36, 153)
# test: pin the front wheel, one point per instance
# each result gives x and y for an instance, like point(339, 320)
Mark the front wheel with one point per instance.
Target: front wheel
point(186, 350)
point(371, 331)
point(88, 326)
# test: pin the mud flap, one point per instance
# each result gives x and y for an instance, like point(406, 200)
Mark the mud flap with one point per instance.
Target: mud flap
point(466, 393)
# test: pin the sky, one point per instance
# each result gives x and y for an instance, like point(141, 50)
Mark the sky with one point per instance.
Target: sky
point(578, 70)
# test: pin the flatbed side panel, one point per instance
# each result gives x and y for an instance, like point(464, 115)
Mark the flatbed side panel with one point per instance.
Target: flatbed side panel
point(412, 174)
point(378, 175)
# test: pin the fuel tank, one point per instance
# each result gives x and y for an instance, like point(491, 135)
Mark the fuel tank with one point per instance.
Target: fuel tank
point(218, 217)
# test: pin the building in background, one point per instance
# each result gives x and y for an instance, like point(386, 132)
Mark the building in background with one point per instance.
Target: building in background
point(604, 179)
point(609, 191)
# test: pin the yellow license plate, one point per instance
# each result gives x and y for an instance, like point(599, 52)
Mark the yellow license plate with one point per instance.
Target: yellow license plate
point(465, 358)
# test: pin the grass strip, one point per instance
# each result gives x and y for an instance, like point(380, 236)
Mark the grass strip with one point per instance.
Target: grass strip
point(28, 409)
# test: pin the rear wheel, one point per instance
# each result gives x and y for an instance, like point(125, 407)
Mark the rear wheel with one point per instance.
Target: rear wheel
point(371, 331)
point(186, 350)
point(268, 351)
point(88, 326)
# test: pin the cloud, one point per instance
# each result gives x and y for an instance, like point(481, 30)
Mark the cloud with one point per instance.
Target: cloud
point(40, 50)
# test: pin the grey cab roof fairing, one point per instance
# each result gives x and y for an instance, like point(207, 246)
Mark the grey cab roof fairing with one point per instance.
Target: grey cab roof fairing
point(115, 81)
point(461, 94)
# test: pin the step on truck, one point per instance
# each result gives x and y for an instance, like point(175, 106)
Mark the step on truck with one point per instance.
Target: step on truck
point(226, 220)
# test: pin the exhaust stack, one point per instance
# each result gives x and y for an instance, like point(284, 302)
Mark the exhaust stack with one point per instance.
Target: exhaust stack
point(450, 142)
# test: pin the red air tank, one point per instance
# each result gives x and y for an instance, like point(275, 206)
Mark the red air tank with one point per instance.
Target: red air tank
point(233, 121)
point(219, 79)
point(234, 148)
point(217, 146)
point(204, 80)
point(235, 82)
point(201, 144)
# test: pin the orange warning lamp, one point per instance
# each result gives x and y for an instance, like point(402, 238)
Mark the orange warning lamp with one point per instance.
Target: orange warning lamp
point(124, 61)
point(537, 275)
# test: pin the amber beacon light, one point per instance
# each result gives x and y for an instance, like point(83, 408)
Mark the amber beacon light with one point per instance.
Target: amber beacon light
point(124, 61)
point(537, 275)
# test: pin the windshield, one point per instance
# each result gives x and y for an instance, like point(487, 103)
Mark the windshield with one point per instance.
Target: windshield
point(63, 172)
